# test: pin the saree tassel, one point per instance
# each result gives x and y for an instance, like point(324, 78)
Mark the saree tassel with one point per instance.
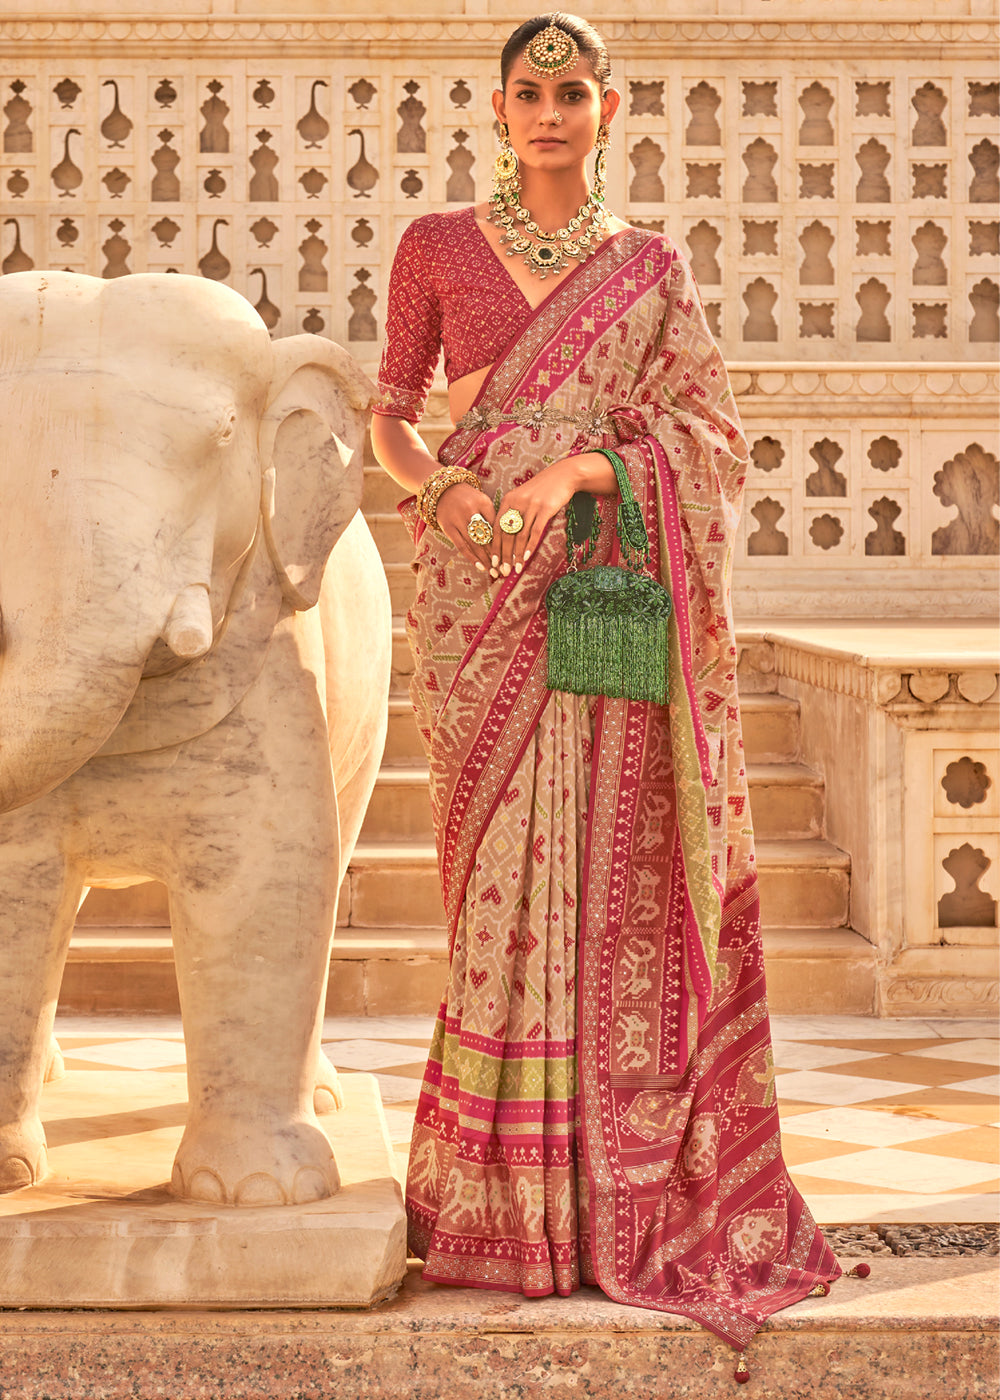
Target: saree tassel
point(742, 1373)
point(608, 634)
point(859, 1271)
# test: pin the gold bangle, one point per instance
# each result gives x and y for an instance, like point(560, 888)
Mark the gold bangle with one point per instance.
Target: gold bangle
point(431, 490)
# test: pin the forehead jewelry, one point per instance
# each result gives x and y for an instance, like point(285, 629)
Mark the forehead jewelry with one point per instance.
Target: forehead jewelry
point(551, 53)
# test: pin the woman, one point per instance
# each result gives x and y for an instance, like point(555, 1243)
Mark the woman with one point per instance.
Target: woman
point(599, 1101)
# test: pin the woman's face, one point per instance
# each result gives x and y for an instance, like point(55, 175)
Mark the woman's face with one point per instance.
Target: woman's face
point(553, 122)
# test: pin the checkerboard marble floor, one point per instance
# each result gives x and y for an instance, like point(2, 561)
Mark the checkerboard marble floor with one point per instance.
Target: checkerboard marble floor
point(883, 1120)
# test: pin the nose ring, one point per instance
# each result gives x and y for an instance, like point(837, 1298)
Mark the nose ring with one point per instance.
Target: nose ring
point(557, 118)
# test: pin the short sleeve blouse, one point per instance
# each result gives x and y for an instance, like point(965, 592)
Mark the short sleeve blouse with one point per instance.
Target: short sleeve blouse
point(448, 288)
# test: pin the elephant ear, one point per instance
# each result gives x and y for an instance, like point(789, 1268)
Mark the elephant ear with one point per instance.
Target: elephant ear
point(311, 448)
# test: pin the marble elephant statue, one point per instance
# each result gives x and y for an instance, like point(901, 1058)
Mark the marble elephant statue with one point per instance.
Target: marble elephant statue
point(194, 665)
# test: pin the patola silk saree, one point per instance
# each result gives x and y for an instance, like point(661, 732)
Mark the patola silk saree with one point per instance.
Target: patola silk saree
point(599, 1102)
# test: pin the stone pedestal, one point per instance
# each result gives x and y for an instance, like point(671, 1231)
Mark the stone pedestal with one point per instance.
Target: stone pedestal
point(103, 1231)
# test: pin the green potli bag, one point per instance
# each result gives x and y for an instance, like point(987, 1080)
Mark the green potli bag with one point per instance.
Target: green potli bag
point(608, 624)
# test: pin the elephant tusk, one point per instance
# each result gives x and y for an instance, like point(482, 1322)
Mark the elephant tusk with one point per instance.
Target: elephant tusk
point(189, 631)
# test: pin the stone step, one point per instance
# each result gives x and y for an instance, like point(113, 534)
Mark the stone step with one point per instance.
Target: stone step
point(379, 493)
point(770, 728)
point(402, 661)
point(402, 587)
point(397, 971)
point(917, 1329)
point(786, 801)
point(802, 883)
point(391, 537)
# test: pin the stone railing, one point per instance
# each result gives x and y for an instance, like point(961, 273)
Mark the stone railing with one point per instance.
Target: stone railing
point(902, 723)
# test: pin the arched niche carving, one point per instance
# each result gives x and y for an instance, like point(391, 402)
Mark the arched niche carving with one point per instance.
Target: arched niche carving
point(760, 236)
point(966, 782)
point(873, 298)
point(816, 269)
point(930, 320)
point(970, 482)
point(967, 906)
point(760, 298)
point(767, 540)
point(826, 531)
point(826, 480)
point(816, 102)
point(760, 186)
point(885, 541)
point(871, 99)
point(703, 129)
point(703, 239)
point(929, 269)
point(767, 454)
point(647, 186)
point(760, 99)
point(929, 128)
point(885, 454)
point(873, 186)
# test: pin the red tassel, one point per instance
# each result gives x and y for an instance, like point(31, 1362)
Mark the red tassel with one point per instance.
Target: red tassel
point(742, 1372)
point(819, 1290)
point(860, 1271)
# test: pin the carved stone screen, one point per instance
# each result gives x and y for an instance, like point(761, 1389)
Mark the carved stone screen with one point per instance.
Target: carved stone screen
point(834, 183)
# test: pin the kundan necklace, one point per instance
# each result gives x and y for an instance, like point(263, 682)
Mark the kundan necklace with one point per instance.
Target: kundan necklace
point(547, 252)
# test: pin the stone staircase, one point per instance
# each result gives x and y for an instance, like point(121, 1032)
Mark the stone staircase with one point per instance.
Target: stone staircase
point(390, 953)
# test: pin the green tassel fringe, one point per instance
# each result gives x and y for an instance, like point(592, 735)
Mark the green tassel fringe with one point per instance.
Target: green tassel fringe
point(608, 634)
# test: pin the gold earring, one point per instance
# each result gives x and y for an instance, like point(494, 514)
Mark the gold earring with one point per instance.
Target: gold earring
point(601, 166)
point(505, 165)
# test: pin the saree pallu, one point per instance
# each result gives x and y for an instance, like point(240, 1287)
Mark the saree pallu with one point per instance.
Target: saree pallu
point(599, 1101)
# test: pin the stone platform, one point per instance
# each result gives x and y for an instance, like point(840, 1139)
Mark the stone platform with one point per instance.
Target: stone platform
point(913, 1331)
point(104, 1231)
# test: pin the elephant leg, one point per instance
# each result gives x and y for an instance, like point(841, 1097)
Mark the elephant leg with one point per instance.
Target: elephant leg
point(38, 904)
point(253, 920)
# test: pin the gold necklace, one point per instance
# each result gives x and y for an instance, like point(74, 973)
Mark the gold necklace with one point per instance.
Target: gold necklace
point(547, 252)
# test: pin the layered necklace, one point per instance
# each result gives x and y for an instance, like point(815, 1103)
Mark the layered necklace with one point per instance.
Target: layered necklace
point(547, 252)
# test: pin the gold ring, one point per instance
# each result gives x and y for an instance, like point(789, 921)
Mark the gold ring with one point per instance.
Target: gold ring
point(511, 522)
point(479, 530)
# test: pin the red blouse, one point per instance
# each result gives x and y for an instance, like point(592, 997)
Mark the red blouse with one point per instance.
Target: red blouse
point(447, 288)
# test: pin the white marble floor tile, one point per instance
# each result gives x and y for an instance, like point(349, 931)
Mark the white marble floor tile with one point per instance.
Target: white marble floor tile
point(948, 1030)
point(370, 1055)
point(813, 1086)
point(797, 1054)
point(396, 1088)
point(989, 1084)
point(974, 1052)
point(848, 1028)
point(374, 1027)
point(872, 1127)
point(132, 1054)
point(400, 1124)
point(903, 1207)
point(904, 1171)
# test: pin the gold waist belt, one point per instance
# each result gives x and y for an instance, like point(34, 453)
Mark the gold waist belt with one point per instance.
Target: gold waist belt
point(593, 422)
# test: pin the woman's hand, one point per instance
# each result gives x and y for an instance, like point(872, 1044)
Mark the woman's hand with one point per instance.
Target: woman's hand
point(539, 499)
point(455, 509)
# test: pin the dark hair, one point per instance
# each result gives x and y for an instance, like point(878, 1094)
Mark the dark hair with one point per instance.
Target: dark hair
point(592, 47)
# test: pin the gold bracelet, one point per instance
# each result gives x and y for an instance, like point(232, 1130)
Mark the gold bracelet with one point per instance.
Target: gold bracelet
point(431, 490)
